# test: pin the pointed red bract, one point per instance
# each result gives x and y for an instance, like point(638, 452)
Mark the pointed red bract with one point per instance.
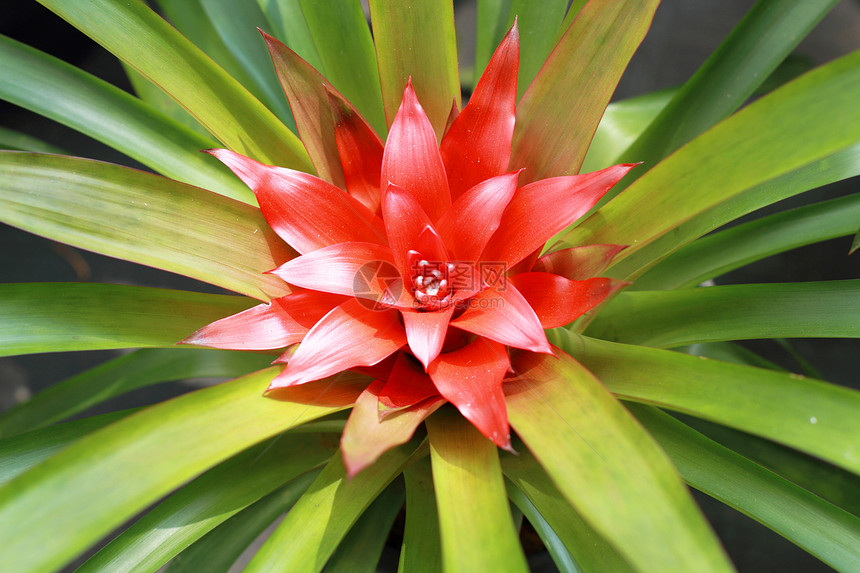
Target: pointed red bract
point(306, 91)
point(406, 385)
point(411, 159)
point(360, 151)
point(406, 225)
point(541, 209)
point(426, 331)
point(558, 301)
point(366, 437)
point(477, 146)
point(354, 269)
point(304, 210)
point(503, 315)
point(350, 335)
point(475, 216)
point(578, 263)
point(471, 379)
point(281, 322)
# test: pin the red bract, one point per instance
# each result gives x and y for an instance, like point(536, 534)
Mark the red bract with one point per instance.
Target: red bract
point(428, 256)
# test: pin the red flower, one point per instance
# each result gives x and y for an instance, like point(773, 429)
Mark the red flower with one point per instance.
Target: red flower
point(426, 268)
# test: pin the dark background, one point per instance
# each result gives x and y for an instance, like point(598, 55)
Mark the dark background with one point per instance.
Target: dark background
point(683, 34)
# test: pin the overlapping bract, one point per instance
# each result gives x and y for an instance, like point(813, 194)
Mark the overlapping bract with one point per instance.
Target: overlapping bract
point(425, 267)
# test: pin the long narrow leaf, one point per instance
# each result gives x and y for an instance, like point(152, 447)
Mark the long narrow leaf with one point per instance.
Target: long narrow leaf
point(237, 24)
point(17, 141)
point(492, 17)
point(821, 528)
point(417, 39)
point(345, 48)
point(608, 467)
point(124, 374)
point(142, 218)
point(56, 317)
point(312, 530)
point(804, 121)
point(466, 475)
point(539, 24)
point(291, 28)
point(813, 416)
point(220, 548)
point(139, 37)
point(206, 502)
point(50, 87)
point(552, 134)
point(727, 250)
point(829, 309)
point(421, 551)
point(64, 504)
point(745, 59)
point(548, 536)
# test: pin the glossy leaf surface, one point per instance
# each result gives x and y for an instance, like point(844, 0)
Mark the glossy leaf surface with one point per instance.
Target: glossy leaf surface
point(142, 218)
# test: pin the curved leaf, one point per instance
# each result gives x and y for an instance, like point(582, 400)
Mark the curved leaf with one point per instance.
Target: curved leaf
point(819, 527)
point(290, 26)
point(417, 40)
point(17, 141)
point(804, 121)
point(345, 48)
point(312, 530)
point(57, 317)
point(727, 250)
point(552, 133)
point(466, 475)
point(237, 24)
point(735, 312)
point(608, 467)
point(745, 59)
point(539, 23)
point(62, 506)
point(813, 416)
point(124, 374)
point(143, 218)
point(209, 500)
point(220, 548)
point(64, 93)
point(421, 551)
point(139, 37)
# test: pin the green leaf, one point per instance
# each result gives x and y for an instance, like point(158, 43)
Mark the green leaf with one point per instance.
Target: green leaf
point(490, 28)
point(834, 484)
point(539, 23)
point(290, 26)
point(552, 132)
point(545, 508)
point(124, 374)
point(467, 475)
point(421, 551)
point(802, 122)
point(139, 37)
point(346, 51)
point(237, 24)
point(62, 506)
point(417, 39)
point(20, 453)
point(608, 467)
point(747, 57)
point(829, 309)
point(209, 500)
point(325, 513)
point(729, 352)
point(143, 218)
point(621, 123)
point(812, 416)
point(733, 248)
point(58, 317)
point(362, 547)
point(855, 244)
point(15, 140)
point(550, 539)
point(820, 528)
point(62, 92)
point(834, 167)
point(220, 548)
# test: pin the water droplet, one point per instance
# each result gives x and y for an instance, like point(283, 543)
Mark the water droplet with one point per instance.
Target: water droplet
point(813, 420)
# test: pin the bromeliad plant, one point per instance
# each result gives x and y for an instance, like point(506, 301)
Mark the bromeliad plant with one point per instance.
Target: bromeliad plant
point(437, 283)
